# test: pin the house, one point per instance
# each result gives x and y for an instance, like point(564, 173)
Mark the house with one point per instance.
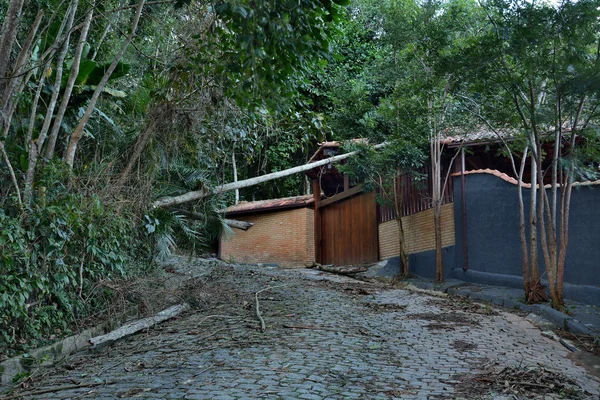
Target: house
point(342, 225)
point(282, 233)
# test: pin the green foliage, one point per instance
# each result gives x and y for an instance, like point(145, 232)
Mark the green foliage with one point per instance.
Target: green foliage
point(270, 46)
point(202, 80)
point(42, 291)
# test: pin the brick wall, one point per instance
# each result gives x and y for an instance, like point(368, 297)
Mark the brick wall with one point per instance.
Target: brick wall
point(282, 237)
point(418, 232)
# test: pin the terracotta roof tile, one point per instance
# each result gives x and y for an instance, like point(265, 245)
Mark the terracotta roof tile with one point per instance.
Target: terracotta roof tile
point(271, 204)
point(513, 181)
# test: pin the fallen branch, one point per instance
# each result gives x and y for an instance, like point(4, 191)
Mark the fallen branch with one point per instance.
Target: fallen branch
point(263, 326)
point(342, 270)
point(136, 326)
point(233, 223)
point(199, 194)
point(57, 389)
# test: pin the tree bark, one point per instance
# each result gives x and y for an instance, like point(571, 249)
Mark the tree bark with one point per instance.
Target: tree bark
point(136, 326)
point(31, 146)
point(16, 84)
point(437, 224)
point(12, 174)
point(199, 194)
point(342, 270)
point(522, 228)
point(77, 134)
point(399, 207)
point(10, 28)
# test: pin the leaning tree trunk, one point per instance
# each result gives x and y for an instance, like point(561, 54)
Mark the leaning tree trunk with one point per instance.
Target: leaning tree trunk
point(70, 84)
point(10, 27)
point(199, 194)
point(77, 134)
point(57, 79)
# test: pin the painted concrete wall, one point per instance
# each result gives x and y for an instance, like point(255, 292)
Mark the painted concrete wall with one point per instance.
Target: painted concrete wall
point(285, 238)
point(494, 250)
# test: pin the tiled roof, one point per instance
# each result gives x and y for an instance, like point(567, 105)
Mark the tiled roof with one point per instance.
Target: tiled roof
point(515, 182)
point(271, 204)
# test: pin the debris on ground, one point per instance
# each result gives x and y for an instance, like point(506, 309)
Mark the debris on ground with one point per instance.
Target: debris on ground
point(459, 303)
point(588, 343)
point(519, 382)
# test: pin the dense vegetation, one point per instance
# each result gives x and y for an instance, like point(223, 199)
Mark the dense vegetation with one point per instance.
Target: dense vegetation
point(106, 106)
point(109, 105)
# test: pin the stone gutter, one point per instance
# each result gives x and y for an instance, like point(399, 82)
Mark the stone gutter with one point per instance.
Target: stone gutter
point(559, 319)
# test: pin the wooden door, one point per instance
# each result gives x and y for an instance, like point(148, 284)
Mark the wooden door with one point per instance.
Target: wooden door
point(349, 231)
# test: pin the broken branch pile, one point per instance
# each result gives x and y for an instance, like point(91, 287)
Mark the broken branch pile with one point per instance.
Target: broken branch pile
point(521, 383)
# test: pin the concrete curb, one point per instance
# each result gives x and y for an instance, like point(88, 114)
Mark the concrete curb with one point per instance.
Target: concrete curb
point(559, 319)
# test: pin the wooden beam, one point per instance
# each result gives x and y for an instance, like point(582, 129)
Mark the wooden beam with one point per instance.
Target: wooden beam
point(340, 196)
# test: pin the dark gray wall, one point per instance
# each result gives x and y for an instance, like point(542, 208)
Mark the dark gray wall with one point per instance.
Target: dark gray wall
point(423, 263)
point(493, 230)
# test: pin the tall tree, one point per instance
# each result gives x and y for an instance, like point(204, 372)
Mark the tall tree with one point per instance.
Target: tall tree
point(536, 69)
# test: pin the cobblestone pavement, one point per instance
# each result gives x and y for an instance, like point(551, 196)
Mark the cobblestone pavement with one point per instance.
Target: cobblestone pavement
point(324, 339)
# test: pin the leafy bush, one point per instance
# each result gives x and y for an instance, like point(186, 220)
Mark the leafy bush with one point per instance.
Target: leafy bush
point(52, 260)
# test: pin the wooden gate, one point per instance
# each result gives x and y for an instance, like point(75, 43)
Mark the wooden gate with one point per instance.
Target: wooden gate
point(349, 231)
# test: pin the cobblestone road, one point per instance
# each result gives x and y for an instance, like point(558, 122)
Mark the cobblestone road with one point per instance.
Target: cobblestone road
point(325, 339)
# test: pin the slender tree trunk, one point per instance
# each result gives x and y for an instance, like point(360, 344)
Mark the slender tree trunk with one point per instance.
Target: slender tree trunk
point(15, 85)
point(10, 27)
point(100, 41)
point(31, 146)
point(140, 145)
point(522, 228)
point(70, 83)
point(235, 176)
point(437, 224)
point(533, 243)
point(58, 78)
point(399, 207)
point(77, 134)
point(12, 174)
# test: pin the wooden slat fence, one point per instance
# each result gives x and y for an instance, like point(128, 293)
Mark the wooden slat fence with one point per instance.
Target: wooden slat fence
point(417, 194)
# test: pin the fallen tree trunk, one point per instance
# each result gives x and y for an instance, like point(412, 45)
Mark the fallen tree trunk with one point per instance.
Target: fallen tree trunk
point(136, 326)
point(198, 194)
point(342, 270)
point(233, 223)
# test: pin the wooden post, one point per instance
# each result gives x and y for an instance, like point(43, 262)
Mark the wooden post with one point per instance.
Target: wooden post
point(346, 183)
point(317, 227)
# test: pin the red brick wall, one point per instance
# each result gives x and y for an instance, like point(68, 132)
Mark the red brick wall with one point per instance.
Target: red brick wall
point(418, 232)
point(282, 237)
